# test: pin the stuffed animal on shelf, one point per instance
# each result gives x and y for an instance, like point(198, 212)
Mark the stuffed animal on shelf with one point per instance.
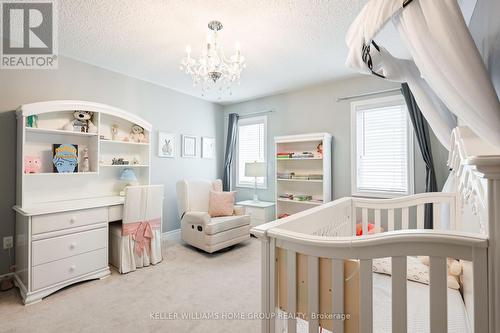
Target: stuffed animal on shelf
point(137, 134)
point(81, 123)
point(32, 164)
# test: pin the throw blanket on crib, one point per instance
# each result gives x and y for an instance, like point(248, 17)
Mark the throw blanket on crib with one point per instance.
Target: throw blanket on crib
point(142, 234)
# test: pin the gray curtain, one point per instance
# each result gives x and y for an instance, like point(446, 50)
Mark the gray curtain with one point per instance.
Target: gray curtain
point(232, 133)
point(422, 133)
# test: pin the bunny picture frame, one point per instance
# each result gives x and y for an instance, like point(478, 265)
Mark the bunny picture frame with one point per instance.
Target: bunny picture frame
point(166, 145)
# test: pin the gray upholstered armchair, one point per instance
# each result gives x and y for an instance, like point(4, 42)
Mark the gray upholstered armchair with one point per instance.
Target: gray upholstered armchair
point(198, 228)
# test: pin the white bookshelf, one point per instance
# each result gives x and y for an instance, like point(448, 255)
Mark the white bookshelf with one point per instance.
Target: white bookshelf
point(103, 177)
point(297, 175)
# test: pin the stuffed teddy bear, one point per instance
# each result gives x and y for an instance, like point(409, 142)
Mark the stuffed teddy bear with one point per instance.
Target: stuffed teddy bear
point(454, 271)
point(81, 122)
point(137, 134)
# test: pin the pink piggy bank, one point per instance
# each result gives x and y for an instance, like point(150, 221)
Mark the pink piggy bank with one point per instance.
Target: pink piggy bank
point(32, 164)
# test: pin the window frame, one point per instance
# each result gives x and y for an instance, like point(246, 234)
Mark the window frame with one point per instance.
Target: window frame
point(250, 121)
point(375, 103)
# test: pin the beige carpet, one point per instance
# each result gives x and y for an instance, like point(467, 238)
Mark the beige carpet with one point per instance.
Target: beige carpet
point(187, 281)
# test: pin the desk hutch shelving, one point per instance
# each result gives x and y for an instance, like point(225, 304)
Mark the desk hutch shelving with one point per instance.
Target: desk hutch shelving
point(62, 218)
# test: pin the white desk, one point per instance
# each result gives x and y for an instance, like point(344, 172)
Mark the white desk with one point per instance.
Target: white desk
point(61, 243)
point(69, 205)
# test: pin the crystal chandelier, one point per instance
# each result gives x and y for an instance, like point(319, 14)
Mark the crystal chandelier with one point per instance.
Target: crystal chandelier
point(212, 70)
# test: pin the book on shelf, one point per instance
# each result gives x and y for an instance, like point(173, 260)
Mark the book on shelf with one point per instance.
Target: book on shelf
point(292, 155)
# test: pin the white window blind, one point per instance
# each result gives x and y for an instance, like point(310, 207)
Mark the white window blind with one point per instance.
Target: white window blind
point(383, 149)
point(251, 148)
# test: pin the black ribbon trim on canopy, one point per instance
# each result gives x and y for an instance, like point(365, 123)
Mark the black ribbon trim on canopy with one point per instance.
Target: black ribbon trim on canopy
point(367, 58)
point(406, 3)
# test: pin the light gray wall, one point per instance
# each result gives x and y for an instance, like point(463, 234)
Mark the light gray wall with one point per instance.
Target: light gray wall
point(314, 109)
point(485, 29)
point(166, 109)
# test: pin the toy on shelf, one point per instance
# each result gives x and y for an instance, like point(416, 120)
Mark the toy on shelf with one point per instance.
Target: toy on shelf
point(32, 164)
point(114, 132)
point(319, 149)
point(81, 123)
point(65, 158)
point(85, 161)
point(137, 134)
point(119, 161)
point(32, 121)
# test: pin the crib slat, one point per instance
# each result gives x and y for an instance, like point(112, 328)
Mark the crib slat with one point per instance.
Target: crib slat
point(313, 292)
point(338, 293)
point(364, 217)
point(265, 284)
point(420, 217)
point(405, 218)
point(399, 295)
point(366, 296)
point(479, 274)
point(436, 216)
point(291, 258)
point(438, 295)
point(377, 220)
point(390, 219)
point(272, 284)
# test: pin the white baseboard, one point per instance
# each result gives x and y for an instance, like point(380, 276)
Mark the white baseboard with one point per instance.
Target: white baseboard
point(172, 235)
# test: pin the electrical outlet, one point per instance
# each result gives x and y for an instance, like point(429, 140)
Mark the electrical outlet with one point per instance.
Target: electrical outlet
point(8, 242)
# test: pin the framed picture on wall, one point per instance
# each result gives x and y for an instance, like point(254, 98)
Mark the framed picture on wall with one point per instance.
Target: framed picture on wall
point(207, 147)
point(188, 146)
point(166, 144)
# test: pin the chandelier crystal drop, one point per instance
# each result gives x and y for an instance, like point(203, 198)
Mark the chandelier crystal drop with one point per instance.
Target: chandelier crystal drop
point(212, 70)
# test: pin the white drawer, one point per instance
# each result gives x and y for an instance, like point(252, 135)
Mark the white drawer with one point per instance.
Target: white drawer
point(61, 270)
point(64, 220)
point(257, 213)
point(47, 250)
point(115, 213)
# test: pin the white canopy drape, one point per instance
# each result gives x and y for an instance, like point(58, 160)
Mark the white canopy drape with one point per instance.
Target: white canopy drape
point(445, 56)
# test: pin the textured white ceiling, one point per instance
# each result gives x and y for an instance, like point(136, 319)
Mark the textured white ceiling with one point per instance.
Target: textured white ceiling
point(288, 44)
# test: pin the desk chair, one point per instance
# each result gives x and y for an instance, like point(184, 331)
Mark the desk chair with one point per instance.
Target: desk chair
point(136, 242)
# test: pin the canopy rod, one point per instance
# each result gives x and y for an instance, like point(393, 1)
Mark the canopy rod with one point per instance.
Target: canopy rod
point(254, 114)
point(368, 94)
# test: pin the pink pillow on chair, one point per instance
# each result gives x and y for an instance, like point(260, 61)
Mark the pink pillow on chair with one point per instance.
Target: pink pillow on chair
point(221, 203)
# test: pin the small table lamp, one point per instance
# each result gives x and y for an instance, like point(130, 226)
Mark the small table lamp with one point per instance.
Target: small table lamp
point(255, 169)
point(128, 176)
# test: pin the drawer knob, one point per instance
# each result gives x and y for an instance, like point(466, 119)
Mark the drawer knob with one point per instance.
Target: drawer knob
point(72, 246)
point(72, 220)
point(72, 268)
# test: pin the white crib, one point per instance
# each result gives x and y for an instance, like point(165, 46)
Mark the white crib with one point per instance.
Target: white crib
point(304, 267)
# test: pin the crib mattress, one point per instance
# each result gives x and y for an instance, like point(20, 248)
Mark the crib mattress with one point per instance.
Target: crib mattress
point(418, 308)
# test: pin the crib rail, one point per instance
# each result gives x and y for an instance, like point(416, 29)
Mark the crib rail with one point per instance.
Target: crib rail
point(434, 201)
point(438, 245)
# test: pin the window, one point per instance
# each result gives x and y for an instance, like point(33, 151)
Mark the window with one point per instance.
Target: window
point(251, 148)
point(382, 148)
